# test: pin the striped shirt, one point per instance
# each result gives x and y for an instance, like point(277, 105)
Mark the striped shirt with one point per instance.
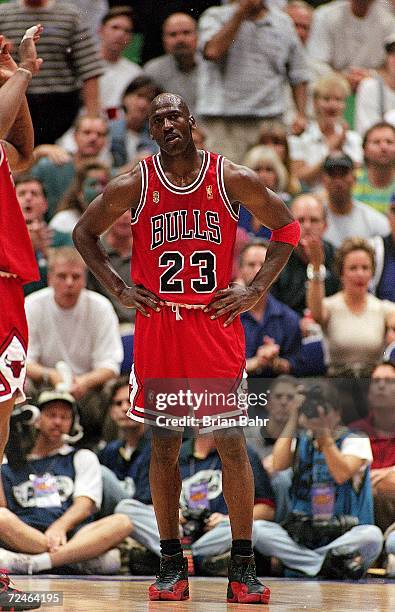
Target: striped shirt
point(377, 197)
point(68, 50)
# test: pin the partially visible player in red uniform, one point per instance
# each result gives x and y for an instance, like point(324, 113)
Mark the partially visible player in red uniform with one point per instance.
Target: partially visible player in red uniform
point(17, 260)
point(184, 206)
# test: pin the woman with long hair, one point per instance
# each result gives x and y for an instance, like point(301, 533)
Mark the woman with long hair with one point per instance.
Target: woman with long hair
point(273, 134)
point(353, 320)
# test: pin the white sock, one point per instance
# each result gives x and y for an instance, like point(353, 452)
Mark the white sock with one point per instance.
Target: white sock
point(41, 562)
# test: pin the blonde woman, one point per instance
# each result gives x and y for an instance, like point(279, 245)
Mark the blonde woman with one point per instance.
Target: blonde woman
point(326, 134)
point(265, 161)
point(354, 321)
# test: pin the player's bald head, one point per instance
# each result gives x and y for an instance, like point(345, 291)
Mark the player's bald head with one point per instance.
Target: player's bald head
point(169, 99)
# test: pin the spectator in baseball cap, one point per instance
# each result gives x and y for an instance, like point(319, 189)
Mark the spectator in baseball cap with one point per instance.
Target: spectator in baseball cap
point(346, 216)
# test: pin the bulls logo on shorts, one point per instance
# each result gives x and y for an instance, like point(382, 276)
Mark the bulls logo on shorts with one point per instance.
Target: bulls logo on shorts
point(12, 364)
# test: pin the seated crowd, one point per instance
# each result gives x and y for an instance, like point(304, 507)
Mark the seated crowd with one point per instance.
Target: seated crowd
point(75, 488)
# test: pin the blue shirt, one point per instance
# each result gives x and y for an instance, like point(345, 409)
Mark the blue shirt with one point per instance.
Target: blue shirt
point(311, 468)
point(209, 470)
point(386, 287)
point(133, 470)
point(280, 323)
point(21, 496)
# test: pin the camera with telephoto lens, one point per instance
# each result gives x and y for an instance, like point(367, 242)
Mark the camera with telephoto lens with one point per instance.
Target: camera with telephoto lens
point(313, 533)
point(314, 397)
point(196, 520)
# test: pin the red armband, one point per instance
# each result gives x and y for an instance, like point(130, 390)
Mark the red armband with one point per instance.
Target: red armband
point(289, 233)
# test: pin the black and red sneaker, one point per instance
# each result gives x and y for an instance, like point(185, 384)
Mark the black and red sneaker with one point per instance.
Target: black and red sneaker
point(172, 581)
point(14, 599)
point(244, 586)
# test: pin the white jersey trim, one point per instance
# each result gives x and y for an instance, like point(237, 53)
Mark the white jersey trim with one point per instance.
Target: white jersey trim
point(175, 188)
point(143, 195)
point(222, 190)
point(2, 154)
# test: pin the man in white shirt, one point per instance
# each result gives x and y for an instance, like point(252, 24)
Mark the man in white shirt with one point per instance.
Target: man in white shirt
point(349, 36)
point(347, 217)
point(115, 34)
point(68, 323)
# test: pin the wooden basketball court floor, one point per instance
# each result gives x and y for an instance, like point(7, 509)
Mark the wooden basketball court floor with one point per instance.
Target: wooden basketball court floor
point(129, 594)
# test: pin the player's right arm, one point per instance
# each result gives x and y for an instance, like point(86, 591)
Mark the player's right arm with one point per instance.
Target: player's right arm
point(121, 194)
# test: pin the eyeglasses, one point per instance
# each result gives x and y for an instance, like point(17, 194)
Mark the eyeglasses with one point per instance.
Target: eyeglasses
point(120, 402)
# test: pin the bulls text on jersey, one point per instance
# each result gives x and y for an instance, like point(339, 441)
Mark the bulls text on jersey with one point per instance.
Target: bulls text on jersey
point(185, 225)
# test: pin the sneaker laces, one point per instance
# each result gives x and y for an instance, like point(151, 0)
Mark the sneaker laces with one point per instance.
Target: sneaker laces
point(250, 574)
point(166, 569)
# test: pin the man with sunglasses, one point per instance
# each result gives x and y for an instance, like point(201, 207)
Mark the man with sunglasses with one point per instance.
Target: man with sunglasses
point(347, 217)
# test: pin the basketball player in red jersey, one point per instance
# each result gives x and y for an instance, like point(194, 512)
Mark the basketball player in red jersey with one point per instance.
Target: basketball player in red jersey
point(17, 260)
point(184, 206)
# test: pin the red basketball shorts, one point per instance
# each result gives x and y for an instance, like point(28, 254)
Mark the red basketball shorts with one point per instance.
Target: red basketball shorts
point(187, 372)
point(13, 339)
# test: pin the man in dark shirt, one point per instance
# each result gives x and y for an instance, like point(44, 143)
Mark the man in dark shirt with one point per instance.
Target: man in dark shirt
point(379, 425)
point(272, 333)
point(290, 286)
point(385, 259)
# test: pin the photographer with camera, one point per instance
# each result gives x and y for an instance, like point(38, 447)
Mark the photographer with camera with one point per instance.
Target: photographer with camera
point(204, 514)
point(330, 530)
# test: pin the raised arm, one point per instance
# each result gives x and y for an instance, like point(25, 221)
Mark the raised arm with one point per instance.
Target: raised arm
point(121, 194)
point(244, 186)
point(15, 121)
point(219, 43)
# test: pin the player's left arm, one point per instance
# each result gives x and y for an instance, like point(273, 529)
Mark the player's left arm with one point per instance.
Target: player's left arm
point(243, 185)
point(15, 122)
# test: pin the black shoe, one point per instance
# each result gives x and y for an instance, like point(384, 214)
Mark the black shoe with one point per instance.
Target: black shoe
point(14, 599)
point(244, 586)
point(172, 580)
point(343, 562)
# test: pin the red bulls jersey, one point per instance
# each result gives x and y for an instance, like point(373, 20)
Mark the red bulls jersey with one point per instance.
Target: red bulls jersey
point(183, 237)
point(16, 251)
